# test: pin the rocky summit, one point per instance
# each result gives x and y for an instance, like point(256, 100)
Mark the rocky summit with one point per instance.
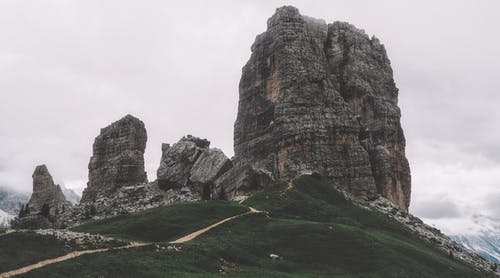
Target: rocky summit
point(118, 158)
point(317, 97)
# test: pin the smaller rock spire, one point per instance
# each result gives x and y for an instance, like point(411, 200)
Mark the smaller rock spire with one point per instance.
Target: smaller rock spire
point(41, 170)
point(46, 195)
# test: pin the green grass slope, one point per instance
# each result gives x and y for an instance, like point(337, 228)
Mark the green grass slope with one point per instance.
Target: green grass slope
point(163, 223)
point(311, 227)
point(23, 248)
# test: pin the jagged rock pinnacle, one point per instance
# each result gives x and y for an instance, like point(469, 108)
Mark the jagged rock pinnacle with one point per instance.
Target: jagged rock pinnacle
point(321, 97)
point(45, 192)
point(118, 158)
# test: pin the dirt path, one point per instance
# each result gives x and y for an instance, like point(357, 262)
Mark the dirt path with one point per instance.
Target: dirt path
point(66, 257)
point(206, 229)
point(75, 254)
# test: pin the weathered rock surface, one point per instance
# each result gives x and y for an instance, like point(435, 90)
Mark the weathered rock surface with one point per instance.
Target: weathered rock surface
point(118, 158)
point(46, 204)
point(127, 199)
point(193, 164)
point(240, 182)
point(45, 192)
point(321, 98)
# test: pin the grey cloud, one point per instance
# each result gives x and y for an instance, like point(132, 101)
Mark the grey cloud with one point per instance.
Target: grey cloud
point(437, 208)
point(492, 203)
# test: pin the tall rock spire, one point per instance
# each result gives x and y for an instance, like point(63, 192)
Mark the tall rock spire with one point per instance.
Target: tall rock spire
point(118, 158)
point(46, 195)
point(321, 98)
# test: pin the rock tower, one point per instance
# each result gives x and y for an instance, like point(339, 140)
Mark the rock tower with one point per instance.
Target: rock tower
point(46, 205)
point(118, 158)
point(317, 97)
point(46, 194)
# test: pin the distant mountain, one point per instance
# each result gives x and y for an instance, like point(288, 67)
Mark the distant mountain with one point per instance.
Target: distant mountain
point(11, 201)
point(488, 246)
point(70, 195)
point(486, 241)
point(5, 218)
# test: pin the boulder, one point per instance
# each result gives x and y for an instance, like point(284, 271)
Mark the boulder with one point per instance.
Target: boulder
point(176, 163)
point(191, 163)
point(210, 165)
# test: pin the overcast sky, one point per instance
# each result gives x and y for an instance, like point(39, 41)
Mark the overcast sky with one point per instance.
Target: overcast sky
point(69, 68)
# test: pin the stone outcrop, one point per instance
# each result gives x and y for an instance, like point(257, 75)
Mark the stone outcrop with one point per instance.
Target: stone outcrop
point(321, 97)
point(191, 163)
point(118, 158)
point(240, 182)
point(46, 204)
point(187, 173)
point(46, 193)
point(127, 199)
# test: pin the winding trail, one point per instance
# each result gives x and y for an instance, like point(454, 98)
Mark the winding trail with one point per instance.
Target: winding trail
point(206, 229)
point(66, 257)
point(134, 244)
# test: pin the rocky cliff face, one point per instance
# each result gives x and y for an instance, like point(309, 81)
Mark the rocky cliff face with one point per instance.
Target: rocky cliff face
point(46, 193)
point(321, 97)
point(191, 163)
point(118, 158)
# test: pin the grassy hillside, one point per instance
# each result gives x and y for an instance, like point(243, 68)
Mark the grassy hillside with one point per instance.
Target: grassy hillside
point(312, 229)
point(23, 248)
point(164, 223)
